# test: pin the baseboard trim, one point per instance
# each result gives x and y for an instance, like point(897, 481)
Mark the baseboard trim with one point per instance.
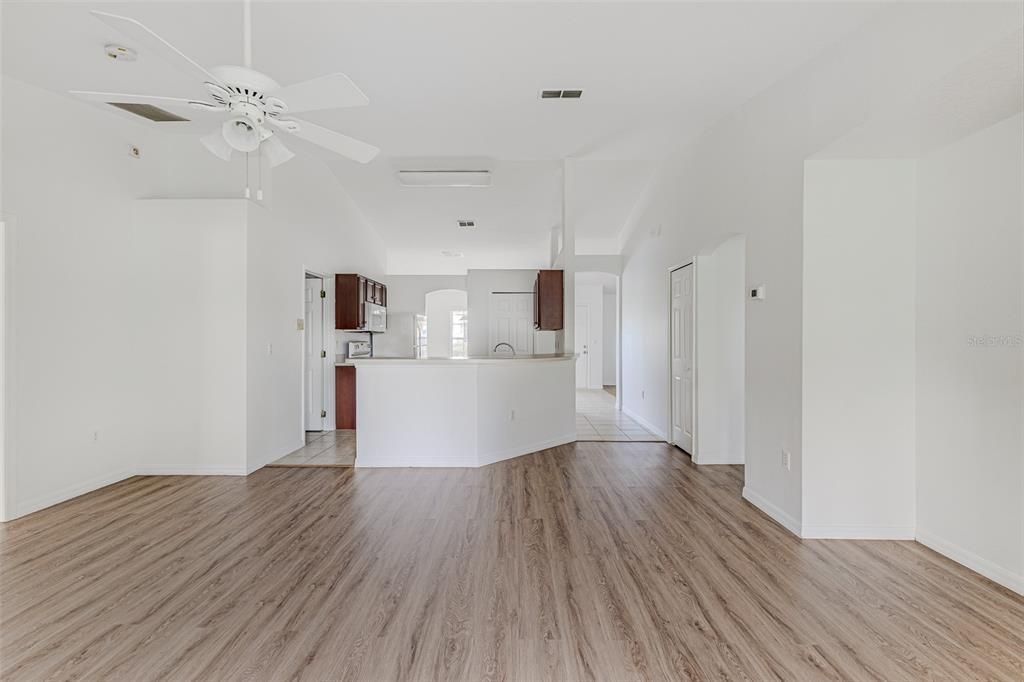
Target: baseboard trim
point(702, 458)
point(509, 453)
point(644, 423)
point(856, 532)
point(192, 471)
point(65, 494)
point(774, 513)
point(969, 559)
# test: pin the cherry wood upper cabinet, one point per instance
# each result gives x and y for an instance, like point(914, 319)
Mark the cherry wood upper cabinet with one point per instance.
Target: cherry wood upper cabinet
point(549, 300)
point(351, 294)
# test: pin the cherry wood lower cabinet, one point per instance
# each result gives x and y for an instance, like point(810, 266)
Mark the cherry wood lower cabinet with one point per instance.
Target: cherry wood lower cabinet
point(345, 396)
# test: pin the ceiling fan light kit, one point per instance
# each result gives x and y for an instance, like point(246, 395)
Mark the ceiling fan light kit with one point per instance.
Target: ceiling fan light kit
point(254, 101)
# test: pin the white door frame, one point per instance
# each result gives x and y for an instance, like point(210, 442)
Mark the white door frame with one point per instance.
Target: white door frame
point(668, 312)
point(311, 274)
point(586, 345)
point(6, 460)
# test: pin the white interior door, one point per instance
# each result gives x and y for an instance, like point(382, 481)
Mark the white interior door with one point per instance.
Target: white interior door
point(314, 346)
point(582, 334)
point(682, 357)
point(511, 322)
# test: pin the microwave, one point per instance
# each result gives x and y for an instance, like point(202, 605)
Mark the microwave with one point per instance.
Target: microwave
point(376, 318)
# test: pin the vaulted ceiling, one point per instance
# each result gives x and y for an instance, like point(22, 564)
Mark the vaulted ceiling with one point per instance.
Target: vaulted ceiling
point(451, 83)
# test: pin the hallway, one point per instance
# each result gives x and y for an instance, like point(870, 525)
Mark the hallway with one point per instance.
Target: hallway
point(598, 420)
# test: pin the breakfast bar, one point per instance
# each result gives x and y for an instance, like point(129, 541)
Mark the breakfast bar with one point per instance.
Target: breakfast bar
point(462, 412)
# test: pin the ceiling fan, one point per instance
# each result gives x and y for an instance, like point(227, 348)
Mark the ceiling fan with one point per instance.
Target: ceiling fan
point(257, 106)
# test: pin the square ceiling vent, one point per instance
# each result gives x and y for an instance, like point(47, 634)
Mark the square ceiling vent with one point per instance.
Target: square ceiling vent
point(561, 94)
point(467, 224)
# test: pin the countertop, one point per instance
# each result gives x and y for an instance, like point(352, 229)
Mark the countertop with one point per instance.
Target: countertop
point(472, 360)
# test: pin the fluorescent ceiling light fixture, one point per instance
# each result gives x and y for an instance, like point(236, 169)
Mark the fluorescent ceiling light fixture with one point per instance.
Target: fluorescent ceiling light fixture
point(445, 178)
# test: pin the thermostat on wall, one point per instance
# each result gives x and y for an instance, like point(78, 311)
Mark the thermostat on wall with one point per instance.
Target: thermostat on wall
point(757, 293)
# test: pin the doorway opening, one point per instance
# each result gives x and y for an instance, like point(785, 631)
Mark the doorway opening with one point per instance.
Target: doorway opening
point(707, 354)
point(442, 333)
point(597, 341)
point(681, 358)
point(323, 445)
point(314, 346)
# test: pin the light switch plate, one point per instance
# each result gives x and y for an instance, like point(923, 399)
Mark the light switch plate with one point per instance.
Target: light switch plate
point(300, 324)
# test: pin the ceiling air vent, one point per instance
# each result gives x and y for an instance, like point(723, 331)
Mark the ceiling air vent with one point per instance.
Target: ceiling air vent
point(451, 254)
point(148, 111)
point(561, 94)
point(467, 224)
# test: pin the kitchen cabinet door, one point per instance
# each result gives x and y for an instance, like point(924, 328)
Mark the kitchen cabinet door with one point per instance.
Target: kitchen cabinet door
point(549, 300)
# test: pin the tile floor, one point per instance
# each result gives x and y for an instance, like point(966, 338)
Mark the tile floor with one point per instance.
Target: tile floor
point(322, 449)
point(597, 419)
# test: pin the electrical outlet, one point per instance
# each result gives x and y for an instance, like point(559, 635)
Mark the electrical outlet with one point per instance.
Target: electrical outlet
point(270, 349)
point(787, 461)
point(96, 435)
point(511, 415)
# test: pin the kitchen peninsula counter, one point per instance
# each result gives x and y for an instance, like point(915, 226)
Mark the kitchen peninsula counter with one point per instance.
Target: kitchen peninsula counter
point(462, 412)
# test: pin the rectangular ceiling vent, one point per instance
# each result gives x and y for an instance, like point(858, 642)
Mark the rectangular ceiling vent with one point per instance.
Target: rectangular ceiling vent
point(148, 111)
point(467, 224)
point(445, 178)
point(561, 94)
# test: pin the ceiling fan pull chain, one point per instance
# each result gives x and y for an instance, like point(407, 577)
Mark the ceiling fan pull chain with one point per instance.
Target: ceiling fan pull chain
point(259, 189)
point(247, 191)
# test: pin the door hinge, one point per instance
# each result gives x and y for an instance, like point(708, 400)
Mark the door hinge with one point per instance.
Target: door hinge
point(323, 294)
point(323, 414)
point(323, 354)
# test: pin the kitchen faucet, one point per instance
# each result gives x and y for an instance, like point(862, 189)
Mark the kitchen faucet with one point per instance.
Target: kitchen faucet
point(504, 344)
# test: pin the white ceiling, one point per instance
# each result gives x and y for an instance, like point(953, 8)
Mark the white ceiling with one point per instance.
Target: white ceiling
point(454, 80)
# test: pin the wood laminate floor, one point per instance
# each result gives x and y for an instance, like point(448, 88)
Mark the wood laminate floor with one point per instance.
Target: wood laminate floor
point(608, 561)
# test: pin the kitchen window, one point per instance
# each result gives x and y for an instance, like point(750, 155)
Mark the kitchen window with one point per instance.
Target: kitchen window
point(459, 347)
point(420, 342)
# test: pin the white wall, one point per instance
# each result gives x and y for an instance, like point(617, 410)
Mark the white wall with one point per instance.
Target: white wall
point(79, 267)
point(970, 352)
point(192, 330)
point(592, 296)
point(440, 306)
point(745, 175)
point(858, 347)
point(720, 359)
point(68, 190)
point(609, 315)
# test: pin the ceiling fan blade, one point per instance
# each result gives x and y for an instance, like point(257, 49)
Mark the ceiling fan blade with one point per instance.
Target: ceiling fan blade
point(274, 151)
point(128, 98)
point(151, 41)
point(334, 91)
point(328, 139)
